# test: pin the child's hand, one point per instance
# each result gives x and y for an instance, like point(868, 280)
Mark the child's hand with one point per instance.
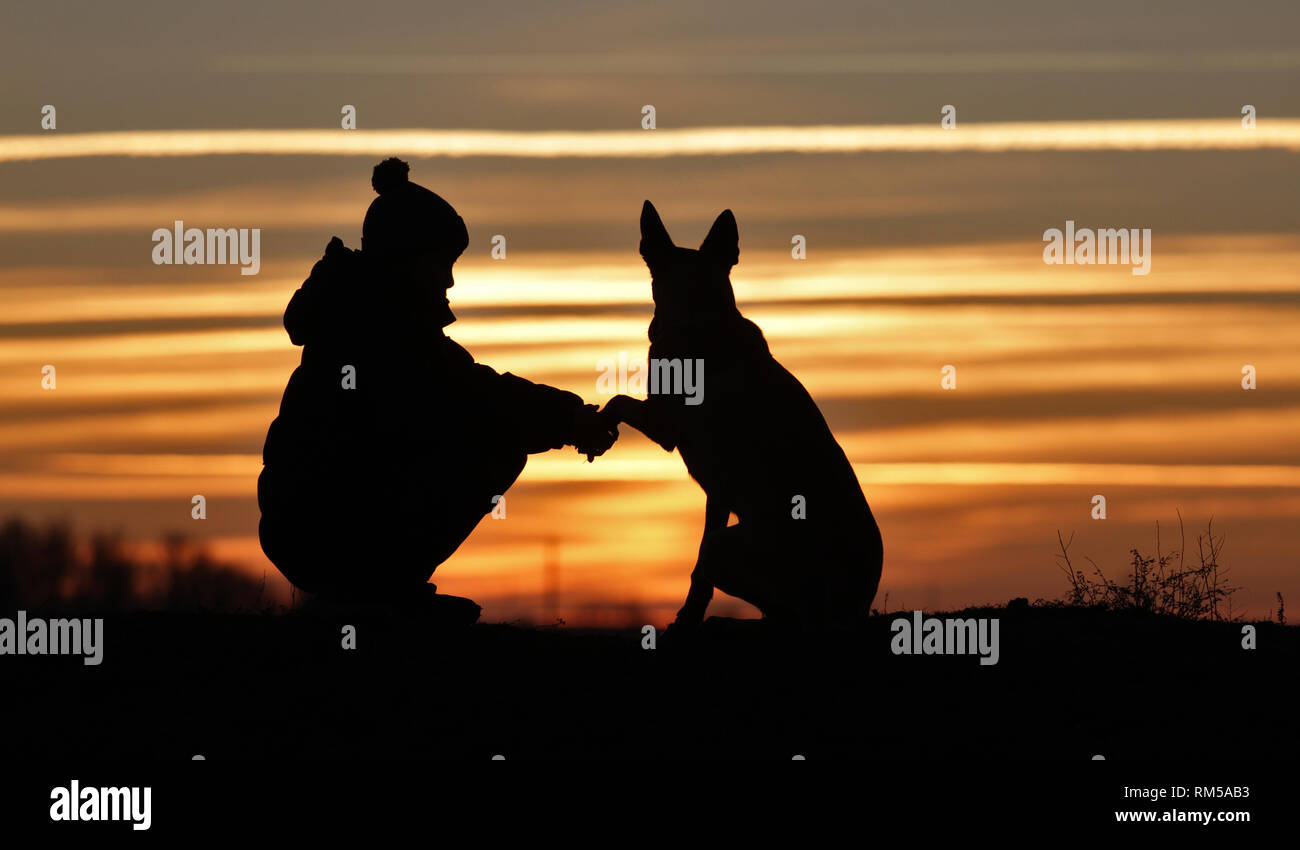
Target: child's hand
point(592, 433)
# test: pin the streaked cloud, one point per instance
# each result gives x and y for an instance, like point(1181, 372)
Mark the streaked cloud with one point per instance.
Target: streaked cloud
point(733, 64)
point(1170, 134)
point(147, 476)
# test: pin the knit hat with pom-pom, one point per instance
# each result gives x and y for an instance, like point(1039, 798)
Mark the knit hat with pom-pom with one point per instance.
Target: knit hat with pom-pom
point(408, 219)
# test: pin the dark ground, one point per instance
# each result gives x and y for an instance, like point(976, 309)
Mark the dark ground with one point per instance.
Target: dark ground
point(1071, 683)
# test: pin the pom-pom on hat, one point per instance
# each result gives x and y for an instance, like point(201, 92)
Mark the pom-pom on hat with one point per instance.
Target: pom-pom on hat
point(408, 219)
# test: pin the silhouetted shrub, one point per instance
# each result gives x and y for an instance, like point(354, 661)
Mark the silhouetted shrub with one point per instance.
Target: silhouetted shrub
point(1161, 584)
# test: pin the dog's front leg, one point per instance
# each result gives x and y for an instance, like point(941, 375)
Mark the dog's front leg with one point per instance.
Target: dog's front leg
point(701, 592)
point(643, 416)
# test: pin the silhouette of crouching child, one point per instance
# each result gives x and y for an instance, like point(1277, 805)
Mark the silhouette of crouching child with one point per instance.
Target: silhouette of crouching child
point(391, 442)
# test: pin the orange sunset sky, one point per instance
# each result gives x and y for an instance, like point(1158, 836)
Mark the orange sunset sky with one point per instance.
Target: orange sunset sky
point(924, 248)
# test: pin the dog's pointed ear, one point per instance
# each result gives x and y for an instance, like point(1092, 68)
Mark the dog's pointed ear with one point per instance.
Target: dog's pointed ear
point(655, 241)
point(723, 241)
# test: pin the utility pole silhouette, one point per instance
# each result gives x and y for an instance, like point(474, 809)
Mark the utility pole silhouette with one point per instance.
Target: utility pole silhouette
point(551, 578)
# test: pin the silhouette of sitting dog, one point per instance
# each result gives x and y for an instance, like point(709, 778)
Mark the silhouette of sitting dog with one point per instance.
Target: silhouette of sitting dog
point(807, 549)
point(391, 442)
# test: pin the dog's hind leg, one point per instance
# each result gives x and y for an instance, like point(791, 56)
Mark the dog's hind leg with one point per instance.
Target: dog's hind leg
point(732, 561)
point(751, 572)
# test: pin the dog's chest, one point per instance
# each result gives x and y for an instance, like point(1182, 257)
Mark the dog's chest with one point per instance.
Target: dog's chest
point(714, 436)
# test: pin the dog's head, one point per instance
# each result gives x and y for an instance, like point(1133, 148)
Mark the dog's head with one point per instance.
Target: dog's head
point(689, 282)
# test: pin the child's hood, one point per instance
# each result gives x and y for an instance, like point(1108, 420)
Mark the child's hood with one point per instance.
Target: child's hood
point(319, 302)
